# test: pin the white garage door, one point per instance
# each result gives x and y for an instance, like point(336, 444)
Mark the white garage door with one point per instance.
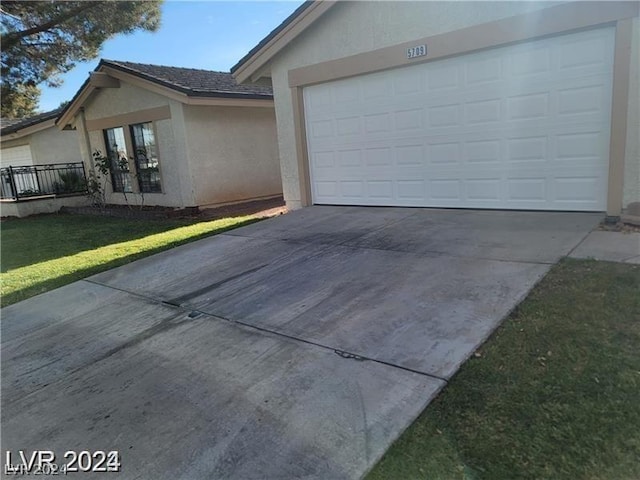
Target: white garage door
point(518, 127)
point(16, 156)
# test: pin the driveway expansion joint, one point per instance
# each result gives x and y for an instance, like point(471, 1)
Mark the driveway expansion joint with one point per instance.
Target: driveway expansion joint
point(161, 327)
point(348, 355)
point(166, 303)
point(192, 313)
point(582, 240)
point(343, 354)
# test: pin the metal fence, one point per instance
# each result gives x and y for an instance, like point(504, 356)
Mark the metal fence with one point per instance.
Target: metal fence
point(39, 180)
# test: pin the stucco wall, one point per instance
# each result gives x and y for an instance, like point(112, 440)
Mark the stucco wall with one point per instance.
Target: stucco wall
point(177, 188)
point(50, 146)
point(108, 102)
point(36, 207)
point(233, 153)
point(355, 27)
point(55, 146)
point(631, 191)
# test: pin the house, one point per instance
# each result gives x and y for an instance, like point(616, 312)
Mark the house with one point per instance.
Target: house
point(498, 105)
point(35, 140)
point(176, 137)
point(41, 168)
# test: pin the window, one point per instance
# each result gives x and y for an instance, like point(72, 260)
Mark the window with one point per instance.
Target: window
point(146, 157)
point(140, 139)
point(118, 159)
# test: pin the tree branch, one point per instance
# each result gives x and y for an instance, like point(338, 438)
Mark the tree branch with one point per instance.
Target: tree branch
point(4, 12)
point(41, 44)
point(8, 40)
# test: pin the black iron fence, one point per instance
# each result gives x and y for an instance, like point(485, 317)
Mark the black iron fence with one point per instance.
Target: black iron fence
point(39, 180)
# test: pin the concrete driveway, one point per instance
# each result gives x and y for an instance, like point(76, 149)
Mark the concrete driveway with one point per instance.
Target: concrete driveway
point(297, 347)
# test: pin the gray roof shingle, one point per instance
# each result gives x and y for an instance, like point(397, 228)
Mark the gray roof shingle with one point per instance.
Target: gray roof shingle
point(11, 125)
point(192, 81)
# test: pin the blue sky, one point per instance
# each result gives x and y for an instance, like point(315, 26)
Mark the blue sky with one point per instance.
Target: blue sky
point(212, 35)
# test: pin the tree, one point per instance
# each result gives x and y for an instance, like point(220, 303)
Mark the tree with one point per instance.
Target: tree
point(44, 39)
point(18, 100)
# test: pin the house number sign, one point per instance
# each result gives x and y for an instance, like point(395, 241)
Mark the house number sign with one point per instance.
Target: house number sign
point(417, 51)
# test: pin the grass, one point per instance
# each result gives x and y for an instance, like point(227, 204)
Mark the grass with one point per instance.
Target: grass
point(553, 394)
point(45, 252)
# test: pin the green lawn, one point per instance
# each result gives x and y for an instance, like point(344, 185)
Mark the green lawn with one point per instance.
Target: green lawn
point(554, 393)
point(45, 252)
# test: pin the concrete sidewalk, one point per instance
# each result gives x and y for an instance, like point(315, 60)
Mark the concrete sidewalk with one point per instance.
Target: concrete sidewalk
point(610, 246)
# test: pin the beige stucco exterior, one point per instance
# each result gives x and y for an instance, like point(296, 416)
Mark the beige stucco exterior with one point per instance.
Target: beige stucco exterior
point(26, 208)
point(49, 145)
point(350, 29)
point(631, 192)
point(234, 151)
point(114, 104)
point(208, 155)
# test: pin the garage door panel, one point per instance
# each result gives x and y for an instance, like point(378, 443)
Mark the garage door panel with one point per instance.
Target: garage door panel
point(16, 156)
point(525, 126)
point(516, 102)
point(408, 82)
point(575, 191)
point(325, 102)
point(512, 143)
point(527, 189)
point(354, 133)
point(585, 51)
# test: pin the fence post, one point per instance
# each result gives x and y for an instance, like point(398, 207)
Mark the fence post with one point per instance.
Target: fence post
point(37, 172)
point(12, 182)
point(84, 177)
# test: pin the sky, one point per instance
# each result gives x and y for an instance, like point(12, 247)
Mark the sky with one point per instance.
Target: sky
point(212, 35)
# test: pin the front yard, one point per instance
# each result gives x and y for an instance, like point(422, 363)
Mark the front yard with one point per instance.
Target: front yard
point(41, 253)
point(553, 394)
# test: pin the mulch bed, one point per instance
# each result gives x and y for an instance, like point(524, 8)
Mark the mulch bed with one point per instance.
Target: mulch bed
point(267, 208)
point(619, 227)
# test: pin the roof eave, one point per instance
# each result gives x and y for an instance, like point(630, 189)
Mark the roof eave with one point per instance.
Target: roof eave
point(294, 25)
point(11, 133)
point(230, 102)
point(184, 90)
point(235, 95)
point(71, 109)
point(172, 91)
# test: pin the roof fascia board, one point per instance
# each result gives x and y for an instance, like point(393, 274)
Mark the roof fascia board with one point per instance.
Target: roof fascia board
point(69, 114)
point(283, 38)
point(23, 132)
point(229, 102)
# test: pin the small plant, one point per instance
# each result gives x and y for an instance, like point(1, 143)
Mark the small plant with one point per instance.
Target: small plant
point(101, 175)
point(70, 182)
point(95, 192)
point(97, 179)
